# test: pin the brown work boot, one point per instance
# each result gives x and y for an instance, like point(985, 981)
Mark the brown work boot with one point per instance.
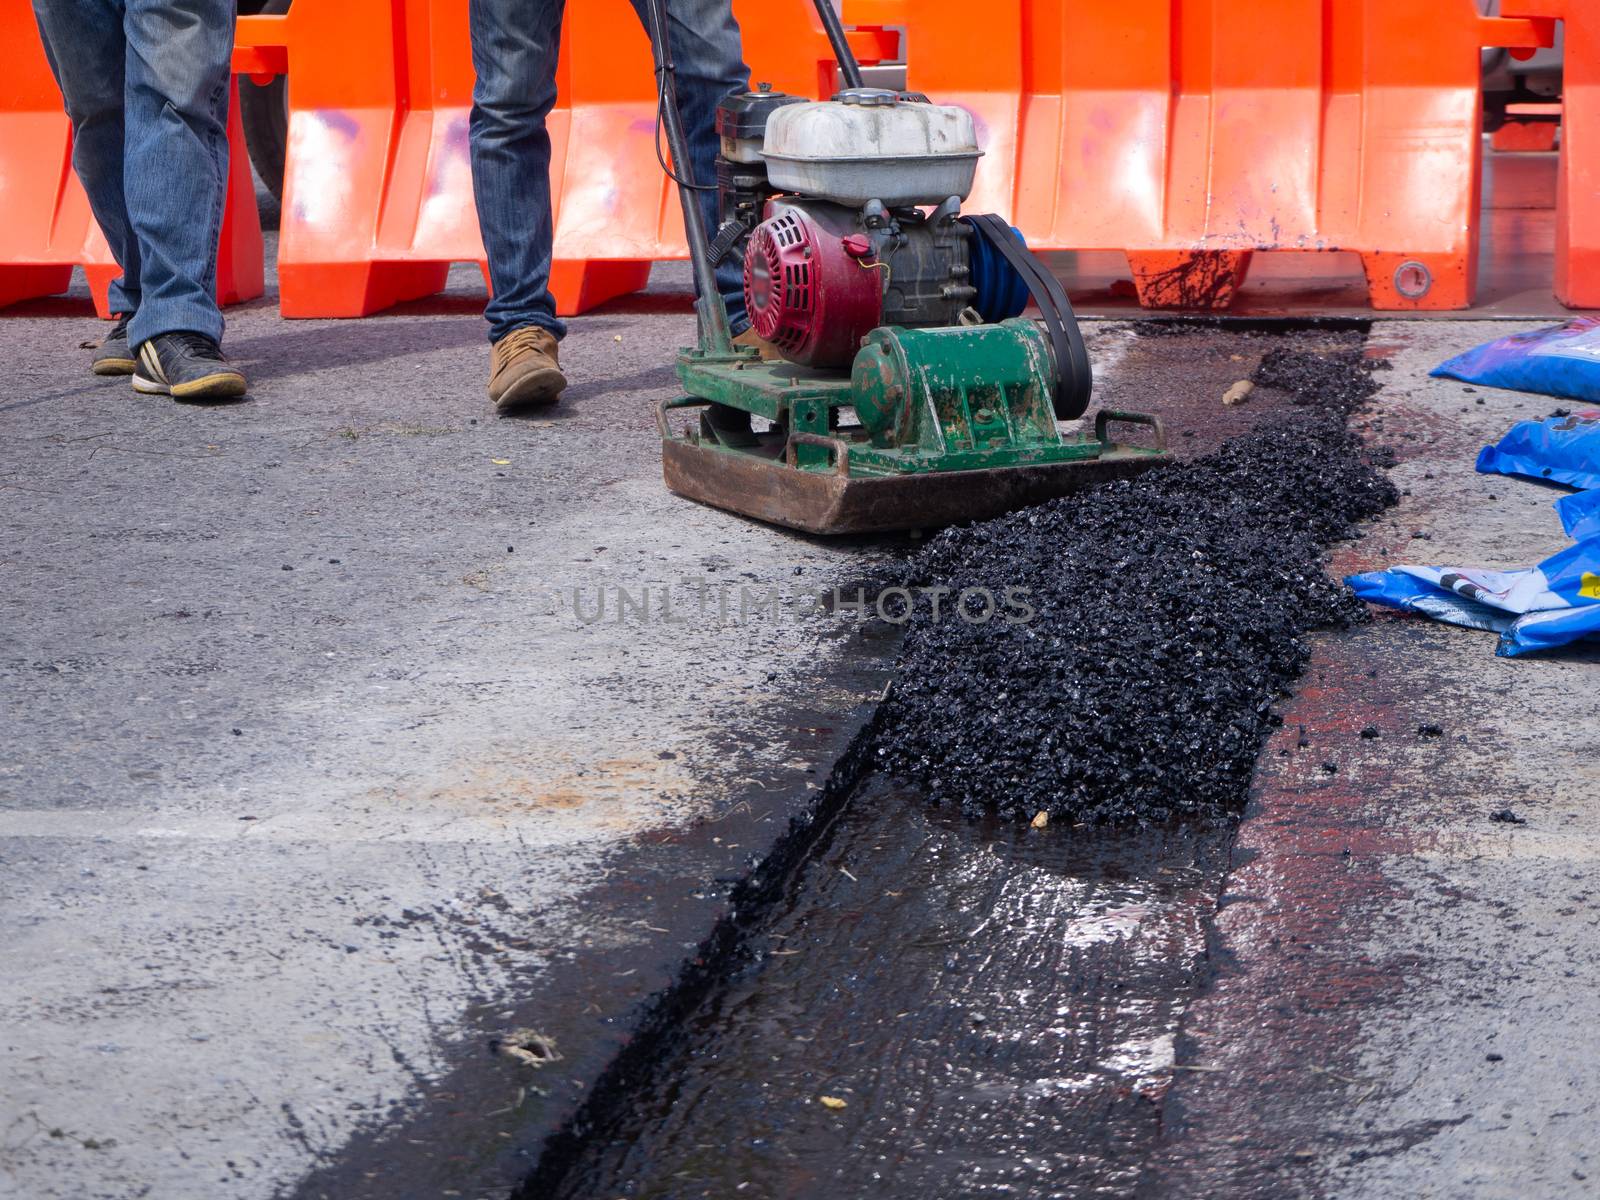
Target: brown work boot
point(768, 352)
point(523, 371)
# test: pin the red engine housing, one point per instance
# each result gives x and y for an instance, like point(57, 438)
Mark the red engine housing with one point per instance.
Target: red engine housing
point(810, 285)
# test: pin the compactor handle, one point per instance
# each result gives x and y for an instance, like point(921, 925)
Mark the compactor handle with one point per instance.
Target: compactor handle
point(1103, 419)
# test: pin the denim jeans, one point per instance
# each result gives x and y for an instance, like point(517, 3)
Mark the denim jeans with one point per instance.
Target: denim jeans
point(146, 84)
point(514, 48)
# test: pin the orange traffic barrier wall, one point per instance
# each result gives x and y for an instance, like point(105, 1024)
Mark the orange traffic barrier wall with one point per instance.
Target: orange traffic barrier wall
point(1191, 133)
point(1186, 133)
point(378, 182)
point(46, 227)
point(1578, 177)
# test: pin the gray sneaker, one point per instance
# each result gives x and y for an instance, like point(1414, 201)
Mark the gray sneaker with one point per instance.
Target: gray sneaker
point(186, 366)
point(113, 356)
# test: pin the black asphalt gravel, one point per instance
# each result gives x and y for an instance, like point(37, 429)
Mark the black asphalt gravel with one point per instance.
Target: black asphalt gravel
point(1337, 380)
point(1168, 615)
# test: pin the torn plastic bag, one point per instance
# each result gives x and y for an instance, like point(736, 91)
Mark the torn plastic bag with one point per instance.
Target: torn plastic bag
point(1549, 605)
point(1580, 514)
point(1558, 449)
point(1560, 360)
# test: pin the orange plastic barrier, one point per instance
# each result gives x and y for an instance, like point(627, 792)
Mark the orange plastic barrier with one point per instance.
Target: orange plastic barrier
point(46, 227)
point(1525, 137)
point(1186, 133)
point(1190, 133)
point(378, 185)
point(1578, 177)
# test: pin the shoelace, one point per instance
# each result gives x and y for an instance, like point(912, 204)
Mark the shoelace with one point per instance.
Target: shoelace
point(197, 345)
point(519, 343)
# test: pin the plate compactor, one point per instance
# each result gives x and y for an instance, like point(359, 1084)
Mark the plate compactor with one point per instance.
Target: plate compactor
point(910, 393)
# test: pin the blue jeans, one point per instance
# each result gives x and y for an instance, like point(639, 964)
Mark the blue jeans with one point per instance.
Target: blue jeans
point(146, 84)
point(514, 48)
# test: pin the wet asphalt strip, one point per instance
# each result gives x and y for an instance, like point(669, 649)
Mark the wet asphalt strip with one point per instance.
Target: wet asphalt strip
point(935, 1000)
point(938, 1007)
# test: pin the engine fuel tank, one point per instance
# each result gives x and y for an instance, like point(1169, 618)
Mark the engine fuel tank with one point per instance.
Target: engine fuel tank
point(872, 144)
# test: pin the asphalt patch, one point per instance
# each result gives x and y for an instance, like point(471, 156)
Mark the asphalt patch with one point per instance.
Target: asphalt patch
point(877, 918)
point(937, 1008)
point(1168, 615)
point(1336, 380)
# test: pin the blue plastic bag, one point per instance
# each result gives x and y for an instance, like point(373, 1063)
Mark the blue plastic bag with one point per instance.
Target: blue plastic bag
point(1562, 360)
point(1557, 449)
point(1580, 514)
point(1549, 605)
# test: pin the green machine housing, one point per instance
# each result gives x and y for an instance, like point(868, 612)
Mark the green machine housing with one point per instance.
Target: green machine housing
point(931, 427)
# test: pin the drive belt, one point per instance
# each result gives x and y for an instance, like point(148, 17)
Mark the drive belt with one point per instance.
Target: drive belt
point(1074, 378)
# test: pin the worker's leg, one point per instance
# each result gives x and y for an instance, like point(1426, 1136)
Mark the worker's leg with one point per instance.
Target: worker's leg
point(514, 48)
point(709, 58)
point(84, 42)
point(175, 160)
point(176, 78)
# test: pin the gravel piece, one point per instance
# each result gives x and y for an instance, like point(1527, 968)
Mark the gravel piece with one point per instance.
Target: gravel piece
point(1169, 614)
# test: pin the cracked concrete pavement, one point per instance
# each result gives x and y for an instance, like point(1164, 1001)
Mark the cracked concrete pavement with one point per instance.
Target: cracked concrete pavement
point(308, 747)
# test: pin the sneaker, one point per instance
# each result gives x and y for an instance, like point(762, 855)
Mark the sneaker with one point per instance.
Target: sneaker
point(523, 371)
point(113, 356)
point(186, 366)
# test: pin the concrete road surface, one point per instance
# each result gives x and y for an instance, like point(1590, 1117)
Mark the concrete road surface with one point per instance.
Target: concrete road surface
point(322, 719)
point(319, 781)
point(1408, 990)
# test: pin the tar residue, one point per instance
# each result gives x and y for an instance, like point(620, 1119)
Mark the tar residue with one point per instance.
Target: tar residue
point(1168, 618)
point(995, 1006)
